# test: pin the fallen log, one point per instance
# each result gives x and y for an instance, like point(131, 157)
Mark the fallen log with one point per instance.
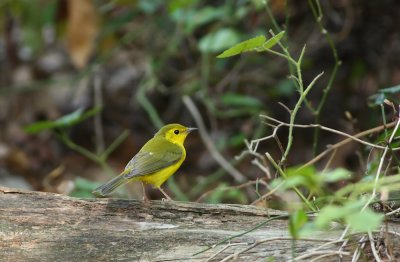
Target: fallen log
point(38, 226)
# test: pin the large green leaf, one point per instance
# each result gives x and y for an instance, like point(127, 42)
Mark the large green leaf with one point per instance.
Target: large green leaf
point(364, 221)
point(359, 219)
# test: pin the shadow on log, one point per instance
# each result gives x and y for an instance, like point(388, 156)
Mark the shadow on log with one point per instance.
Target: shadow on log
point(37, 226)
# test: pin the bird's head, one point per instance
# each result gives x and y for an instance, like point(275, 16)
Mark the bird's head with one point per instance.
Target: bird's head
point(175, 133)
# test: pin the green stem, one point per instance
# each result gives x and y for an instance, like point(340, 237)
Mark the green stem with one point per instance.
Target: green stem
point(81, 150)
point(114, 145)
point(271, 16)
point(294, 113)
point(278, 29)
point(283, 174)
point(145, 102)
point(318, 15)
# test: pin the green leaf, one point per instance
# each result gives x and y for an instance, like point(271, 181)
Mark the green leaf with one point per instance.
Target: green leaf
point(245, 46)
point(236, 140)
point(293, 181)
point(219, 40)
point(306, 176)
point(39, 126)
point(258, 44)
point(329, 213)
point(333, 212)
point(305, 171)
point(384, 93)
point(390, 90)
point(296, 221)
point(273, 41)
point(64, 121)
point(364, 221)
point(335, 175)
point(70, 118)
point(309, 229)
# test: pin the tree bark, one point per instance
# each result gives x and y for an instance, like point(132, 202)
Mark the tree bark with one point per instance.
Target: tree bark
point(37, 226)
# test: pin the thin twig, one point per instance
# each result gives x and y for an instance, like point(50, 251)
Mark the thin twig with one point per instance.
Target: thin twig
point(210, 145)
point(346, 141)
point(318, 15)
point(329, 130)
point(372, 244)
point(360, 246)
point(271, 192)
point(378, 172)
point(377, 175)
point(393, 233)
point(328, 163)
point(262, 167)
point(224, 248)
point(314, 250)
point(393, 212)
point(269, 240)
point(322, 253)
point(328, 255)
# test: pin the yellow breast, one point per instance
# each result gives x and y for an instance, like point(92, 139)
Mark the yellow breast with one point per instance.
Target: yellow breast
point(158, 178)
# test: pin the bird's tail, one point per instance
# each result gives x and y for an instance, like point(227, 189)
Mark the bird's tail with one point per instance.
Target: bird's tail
point(111, 185)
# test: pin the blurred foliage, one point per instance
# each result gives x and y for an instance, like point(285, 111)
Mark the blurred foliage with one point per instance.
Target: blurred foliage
point(83, 188)
point(64, 121)
point(148, 54)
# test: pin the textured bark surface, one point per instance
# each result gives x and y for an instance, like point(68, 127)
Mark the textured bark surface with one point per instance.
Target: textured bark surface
point(36, 226)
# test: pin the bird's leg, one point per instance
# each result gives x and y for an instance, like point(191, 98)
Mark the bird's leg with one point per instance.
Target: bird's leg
point(165, 194)
point(145, 198)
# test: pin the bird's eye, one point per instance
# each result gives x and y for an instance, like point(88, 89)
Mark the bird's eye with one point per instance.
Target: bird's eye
point(176, 131)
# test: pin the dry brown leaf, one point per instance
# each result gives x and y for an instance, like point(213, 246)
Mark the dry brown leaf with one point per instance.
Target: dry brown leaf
point(82, 28)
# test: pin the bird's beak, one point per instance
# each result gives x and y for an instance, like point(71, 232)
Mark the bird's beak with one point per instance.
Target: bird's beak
point(190, 129)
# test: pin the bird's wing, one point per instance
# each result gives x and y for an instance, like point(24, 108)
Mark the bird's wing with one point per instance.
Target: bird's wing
point(148, 161)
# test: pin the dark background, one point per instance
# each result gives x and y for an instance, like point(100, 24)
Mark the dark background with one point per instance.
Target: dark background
point(139, 58)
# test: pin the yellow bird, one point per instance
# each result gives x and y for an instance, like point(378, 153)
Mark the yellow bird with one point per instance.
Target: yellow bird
point(156, 161)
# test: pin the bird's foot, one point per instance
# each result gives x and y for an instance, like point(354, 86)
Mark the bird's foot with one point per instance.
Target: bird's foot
point(168, 198)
